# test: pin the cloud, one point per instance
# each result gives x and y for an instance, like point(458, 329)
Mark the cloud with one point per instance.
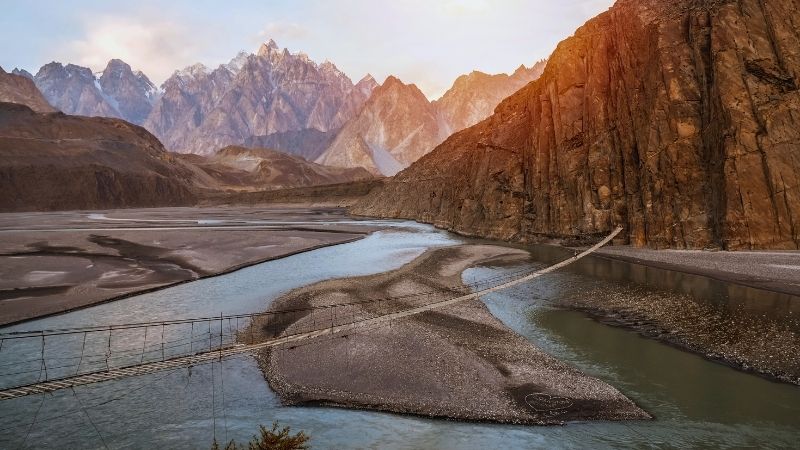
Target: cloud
point(156, 47)
point(281, 31)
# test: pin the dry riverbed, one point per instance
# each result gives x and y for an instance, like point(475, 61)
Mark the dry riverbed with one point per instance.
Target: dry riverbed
point(457, 362)
point(58, 261)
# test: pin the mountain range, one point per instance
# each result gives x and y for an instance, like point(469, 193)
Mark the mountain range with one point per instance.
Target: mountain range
point(117, 91)
point(284, 101)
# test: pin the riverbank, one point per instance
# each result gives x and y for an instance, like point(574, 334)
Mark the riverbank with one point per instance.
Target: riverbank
point(55, 262)
point(772, 270)
point(459, 362)
point(749, 329)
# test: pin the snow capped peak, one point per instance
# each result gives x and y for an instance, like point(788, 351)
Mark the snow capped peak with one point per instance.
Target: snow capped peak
point(193, 71)
point(238, 61)
point(267, 48)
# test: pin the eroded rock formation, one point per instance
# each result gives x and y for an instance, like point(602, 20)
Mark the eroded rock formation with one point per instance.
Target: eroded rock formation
point(677, 120)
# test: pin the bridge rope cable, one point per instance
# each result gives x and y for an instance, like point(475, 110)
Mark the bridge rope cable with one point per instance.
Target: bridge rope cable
point(11, 335)
point(86, 413)
point(35, 416)
point(335, 328)
point(120, 355)
point(108, 401)
point(102, 328)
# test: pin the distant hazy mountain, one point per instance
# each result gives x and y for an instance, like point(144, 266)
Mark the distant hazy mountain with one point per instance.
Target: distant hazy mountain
point(117, 91)
point(473, 97)
point(20, 89)
point(73, 90)
point(258, 169)
point(254, 95)
point(132, 93)
point(398, 124)
point(307, 144)
point(22, 72)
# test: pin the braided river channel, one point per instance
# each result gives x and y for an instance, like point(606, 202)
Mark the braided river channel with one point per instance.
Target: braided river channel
point(696, 403)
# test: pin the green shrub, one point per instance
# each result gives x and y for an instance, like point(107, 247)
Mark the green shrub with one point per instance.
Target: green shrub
point(273, 439)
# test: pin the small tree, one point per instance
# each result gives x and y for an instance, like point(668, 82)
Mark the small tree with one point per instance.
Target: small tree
point(271, 439)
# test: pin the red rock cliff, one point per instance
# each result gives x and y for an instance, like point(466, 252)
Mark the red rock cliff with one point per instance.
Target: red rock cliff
point(678, 120)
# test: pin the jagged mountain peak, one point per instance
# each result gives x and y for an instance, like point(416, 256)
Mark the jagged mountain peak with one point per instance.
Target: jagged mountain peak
point(367, 84)
point(268, 48)
point(272, 91)
point(22, 72)
point(194, 71)
point(116, 91)
point(238, 61)
point(392, 80)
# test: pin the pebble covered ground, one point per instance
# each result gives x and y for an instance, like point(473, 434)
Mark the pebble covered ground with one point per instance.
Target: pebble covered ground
point(733, 335)
point(459, 362)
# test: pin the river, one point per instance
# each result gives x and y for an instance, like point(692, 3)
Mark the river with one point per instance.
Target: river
point(695, 402)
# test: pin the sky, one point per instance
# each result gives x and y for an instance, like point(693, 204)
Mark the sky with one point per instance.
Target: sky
point(426, 42)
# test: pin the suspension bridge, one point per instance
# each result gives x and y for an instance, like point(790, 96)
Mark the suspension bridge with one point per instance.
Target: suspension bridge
point(149, 347)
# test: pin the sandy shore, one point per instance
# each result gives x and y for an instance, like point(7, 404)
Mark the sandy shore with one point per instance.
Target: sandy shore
point(459, 362)
point(60, 261)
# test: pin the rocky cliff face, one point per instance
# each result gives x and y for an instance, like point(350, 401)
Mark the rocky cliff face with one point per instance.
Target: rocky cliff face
point(271, 91)
point(20, 89)
point(118, 92)
point(677, 120)
point(474, 96)
point(395, 127)
point(55, 161)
